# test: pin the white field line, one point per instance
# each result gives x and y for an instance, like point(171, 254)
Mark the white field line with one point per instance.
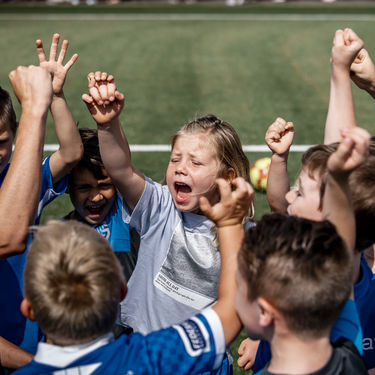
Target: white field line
point(186, 17)
point(167, 148)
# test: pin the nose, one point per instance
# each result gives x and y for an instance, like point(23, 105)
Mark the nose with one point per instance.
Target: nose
point(96, 195)
point(181, 168)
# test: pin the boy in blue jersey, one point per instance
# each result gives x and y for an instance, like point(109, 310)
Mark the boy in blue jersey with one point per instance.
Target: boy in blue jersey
point(13, 326)
point(97, 203)
point(73, 284)
point(19, 192)
point(297, 275)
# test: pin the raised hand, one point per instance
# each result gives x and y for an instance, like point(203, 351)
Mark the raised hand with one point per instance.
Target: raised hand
point(362, 71)
point(55, 67)
point(104, 101)
point(234, 203)
point(351, 152)
point(279, 136)
point(346, 45)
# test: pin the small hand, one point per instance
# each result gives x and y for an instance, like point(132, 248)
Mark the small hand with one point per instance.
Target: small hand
point(55, 67)
point(362, 70)
point(351, 152)
point(279, 136)
point(247, 352)
point(234, 204)
point(104, 101)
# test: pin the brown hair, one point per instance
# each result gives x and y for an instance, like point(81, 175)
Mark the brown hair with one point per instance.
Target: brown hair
point(302, 267)
point(7, 114)
point(361, 184)
point(73, 282)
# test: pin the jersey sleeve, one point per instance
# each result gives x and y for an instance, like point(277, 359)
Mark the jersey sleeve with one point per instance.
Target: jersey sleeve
point(348, 326)
point(151, 209)
point(194, 346)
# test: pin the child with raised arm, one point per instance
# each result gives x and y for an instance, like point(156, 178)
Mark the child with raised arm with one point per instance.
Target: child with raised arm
point(180, 276)
point(14, 327)
point(97, 203)
point(73, 285)
point(348, 59)
point(309, 280)
point(19, 192)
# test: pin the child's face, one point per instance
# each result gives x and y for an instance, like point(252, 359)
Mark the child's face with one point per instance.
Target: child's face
point(92, 198)
point(6, 141)
point(248, 311)
point(304, 198)
point(192, 171)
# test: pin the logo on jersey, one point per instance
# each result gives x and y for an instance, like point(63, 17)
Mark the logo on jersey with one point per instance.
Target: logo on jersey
point(195, 336)
point(104, 230)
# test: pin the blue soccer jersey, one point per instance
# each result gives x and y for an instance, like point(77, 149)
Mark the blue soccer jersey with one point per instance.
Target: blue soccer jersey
point(14, 327)
point(194, 346)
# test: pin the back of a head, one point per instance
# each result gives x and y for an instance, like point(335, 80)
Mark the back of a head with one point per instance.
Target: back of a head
point(73, 282)
point(7, 114)
point(225, 140)
point(361, 184)
point(302, 267)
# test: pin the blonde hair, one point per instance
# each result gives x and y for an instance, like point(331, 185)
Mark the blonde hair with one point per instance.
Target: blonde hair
point(73, 282)
point(225, 140)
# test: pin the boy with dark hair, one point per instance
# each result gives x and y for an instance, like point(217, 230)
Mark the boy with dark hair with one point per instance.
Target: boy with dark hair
point(74, 296)
point(97, 203)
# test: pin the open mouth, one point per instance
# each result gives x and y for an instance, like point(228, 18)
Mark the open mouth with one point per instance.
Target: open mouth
point(95, 210)
point(182, 192)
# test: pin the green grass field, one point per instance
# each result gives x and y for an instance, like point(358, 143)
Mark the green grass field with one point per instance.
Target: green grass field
point(247, 70)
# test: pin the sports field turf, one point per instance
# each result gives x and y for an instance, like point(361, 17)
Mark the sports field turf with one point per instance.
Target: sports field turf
point(247, 65)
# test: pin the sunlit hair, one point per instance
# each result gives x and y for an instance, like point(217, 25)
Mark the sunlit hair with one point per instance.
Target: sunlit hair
point(361, 184)
point(225, 140)
point(302, 267)
point(73, 282)
point(7, 114)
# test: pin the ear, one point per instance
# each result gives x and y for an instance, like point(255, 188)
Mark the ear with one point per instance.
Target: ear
point(26, 309)
point(267, 312)
point(124, 291)
point(230, 175)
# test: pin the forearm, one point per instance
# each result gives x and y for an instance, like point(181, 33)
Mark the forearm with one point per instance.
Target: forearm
point(19, 194)
point(12, 356)
point(230, 240)
point(115, 152)
point(278, 183)
point(71, 149)
point(341, 112)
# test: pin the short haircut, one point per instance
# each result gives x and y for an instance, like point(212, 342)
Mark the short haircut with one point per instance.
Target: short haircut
point(225, 140)
point(73, 282)
point(7, 114)
point(302, 267)
point(361, 184)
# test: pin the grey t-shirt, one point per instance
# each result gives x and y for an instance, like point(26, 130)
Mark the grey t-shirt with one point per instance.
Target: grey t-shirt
point(178, 267)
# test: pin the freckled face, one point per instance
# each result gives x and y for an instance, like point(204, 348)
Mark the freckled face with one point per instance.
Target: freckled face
point(304, 198)
point(6, 141)
point(92, 198)
point(192, 171)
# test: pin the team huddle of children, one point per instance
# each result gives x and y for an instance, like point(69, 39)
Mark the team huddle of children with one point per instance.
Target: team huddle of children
point(149, 278)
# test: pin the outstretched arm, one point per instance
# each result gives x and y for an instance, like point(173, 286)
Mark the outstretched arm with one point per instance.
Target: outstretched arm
point(19, 193)
point(346, 45)
point(105, 104)
point(337, 207)
point(279, 138)
point(71, 149)
point(228, 216)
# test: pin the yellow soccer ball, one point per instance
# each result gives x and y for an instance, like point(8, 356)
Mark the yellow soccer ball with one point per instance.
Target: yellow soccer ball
point(259, 173)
